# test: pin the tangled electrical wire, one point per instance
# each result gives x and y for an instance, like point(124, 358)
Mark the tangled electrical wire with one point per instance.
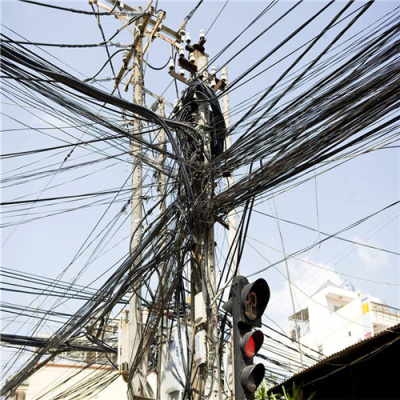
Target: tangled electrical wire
point(351, 107)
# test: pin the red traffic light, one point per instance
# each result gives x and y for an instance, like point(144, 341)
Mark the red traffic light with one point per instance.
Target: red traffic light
point(250, 343)
point(247, 302)
point(251, 377)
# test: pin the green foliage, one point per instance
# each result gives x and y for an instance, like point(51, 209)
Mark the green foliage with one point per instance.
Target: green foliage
point(262, 392)
point(296, 394)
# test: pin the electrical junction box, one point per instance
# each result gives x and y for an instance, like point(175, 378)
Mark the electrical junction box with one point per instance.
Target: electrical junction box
point(228, 369)
point(200, 313)
point(123, 342)
point(200, 356)
point(177, 357)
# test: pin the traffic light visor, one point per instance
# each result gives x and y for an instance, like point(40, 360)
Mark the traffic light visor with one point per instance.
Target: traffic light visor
point(251, 377)
point(251, 342)
point(255, 297)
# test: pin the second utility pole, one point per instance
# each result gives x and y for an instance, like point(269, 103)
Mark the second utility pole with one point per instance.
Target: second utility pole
point(135, 316)
point(203, 280)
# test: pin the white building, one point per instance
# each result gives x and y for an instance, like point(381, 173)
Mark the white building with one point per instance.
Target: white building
point(337, 317)
point(86, 374)
point(62, 380)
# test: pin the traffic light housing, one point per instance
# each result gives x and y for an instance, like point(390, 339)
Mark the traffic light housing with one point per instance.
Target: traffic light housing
point(246, 304)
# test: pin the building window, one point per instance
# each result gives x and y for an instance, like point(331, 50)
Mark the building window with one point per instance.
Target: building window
point(349, 333)
point(20, 396)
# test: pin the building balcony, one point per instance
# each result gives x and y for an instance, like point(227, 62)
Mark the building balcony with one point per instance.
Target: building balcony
point(386, 313)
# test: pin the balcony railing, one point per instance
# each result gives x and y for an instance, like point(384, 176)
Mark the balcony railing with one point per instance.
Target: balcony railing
point(303, 328)
point(384, 312)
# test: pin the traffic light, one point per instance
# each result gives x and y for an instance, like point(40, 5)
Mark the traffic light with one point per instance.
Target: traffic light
point(246, 304)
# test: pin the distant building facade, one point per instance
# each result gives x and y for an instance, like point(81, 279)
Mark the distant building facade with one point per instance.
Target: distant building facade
point(80, 374)
point(62, 380)
point(337, 317)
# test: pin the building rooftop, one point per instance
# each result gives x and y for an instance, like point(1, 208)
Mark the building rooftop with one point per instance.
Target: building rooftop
point(344, 374)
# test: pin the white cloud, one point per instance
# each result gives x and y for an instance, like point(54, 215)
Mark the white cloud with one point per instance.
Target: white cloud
point(306, 276)
point(45, 119)
point(372, 259)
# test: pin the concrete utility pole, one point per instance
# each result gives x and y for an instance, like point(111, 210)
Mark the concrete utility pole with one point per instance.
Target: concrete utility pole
point(135, 317)
point(229, 384)
point(161, 189)
point(229, 180)
point(161, 160)
point(207, 380)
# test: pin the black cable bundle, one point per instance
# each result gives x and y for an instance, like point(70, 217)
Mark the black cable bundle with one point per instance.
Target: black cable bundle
point(190, 107)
